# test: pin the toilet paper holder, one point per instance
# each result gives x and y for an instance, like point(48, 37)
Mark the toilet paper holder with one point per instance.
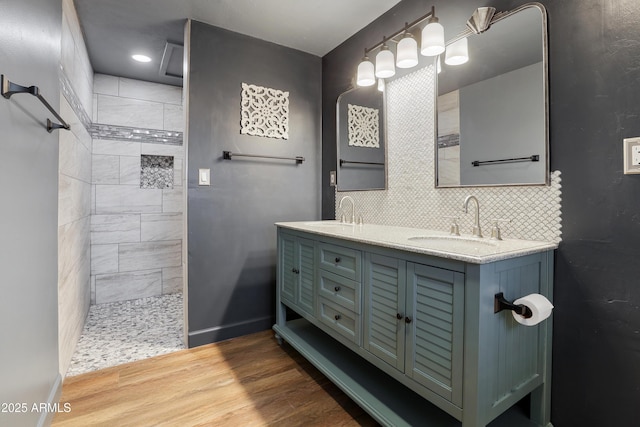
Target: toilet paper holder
point(500, 303)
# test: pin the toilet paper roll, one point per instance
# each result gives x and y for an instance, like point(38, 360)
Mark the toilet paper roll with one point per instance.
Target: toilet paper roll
point(539, 305)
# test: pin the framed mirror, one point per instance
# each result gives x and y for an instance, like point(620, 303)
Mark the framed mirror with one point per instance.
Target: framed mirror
point(361, 140)
point(492, 111)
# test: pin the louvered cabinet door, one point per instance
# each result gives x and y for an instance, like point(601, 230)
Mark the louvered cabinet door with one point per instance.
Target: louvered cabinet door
point(384, 292)
point(435, 304)
point(288, 277)
point(305, 298)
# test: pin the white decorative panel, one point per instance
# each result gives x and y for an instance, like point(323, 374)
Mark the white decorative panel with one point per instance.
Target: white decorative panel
point(363, 126)
point(264, 112)
point(412, 200)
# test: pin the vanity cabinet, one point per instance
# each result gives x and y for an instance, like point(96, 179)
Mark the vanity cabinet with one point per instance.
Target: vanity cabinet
point(296, 273)
point(413, 321)
point(413, 338)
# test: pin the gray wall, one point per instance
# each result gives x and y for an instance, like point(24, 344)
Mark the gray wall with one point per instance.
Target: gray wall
point(507, 114)
point(231, 236)
point(594, 79)
point(30, 55)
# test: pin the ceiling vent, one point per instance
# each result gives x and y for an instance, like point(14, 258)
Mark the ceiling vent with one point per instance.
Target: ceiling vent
point(172, 60)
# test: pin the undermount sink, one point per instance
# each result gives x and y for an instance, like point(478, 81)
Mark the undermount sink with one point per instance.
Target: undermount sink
point(455, 239)
point(472, 245)
point(330, 224)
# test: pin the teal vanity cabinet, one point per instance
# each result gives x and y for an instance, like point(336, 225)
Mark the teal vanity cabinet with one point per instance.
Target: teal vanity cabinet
point(410, 334)
point(296, 272)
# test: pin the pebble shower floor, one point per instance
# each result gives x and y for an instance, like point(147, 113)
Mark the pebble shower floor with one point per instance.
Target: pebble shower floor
point(127, 331)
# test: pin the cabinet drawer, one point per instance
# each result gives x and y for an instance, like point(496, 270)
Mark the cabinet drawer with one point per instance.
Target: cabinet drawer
point(343, 261)
point(343, 321)
point(342, 291)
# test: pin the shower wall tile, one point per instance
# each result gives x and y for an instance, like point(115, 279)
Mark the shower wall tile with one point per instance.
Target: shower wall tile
point(156, 227)
point(119, 111)
point(74, 187)
point(172, 200)
point(172, 280)
point(104, 259)
point(105, 84)
point(129, 170)
point(173, 117)
point(127, 199)
point(175, 151)
point(74, 199)
point(106, 169)
point(107, 229)
point(148, 255)
point(150, 91)
point(178, 170)
point(124, 286)
point(116, 148)
point(124, 266)
point(73, 253)
point(75, 157)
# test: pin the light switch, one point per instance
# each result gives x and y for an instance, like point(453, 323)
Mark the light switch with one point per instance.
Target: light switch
point(204, 177)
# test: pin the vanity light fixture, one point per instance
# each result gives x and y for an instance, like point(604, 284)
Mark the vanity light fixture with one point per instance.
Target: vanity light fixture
point(439, 65)
point(432, 45)
point(432, 36)
point(381, 85)
point(407, 50)
point(457, 52)
point(366, 76)
point(385, 64)
point(141, 58)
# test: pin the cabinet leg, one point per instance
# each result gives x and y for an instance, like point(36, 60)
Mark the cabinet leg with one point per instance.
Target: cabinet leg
point(279, 339)
point(541, 406)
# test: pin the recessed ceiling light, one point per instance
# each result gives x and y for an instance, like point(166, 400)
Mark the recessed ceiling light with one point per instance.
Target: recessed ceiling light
point(141, 58)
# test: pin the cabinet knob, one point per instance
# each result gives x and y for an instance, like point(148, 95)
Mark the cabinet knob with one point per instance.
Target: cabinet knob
point(295, 270)
point(337, 317)
point(338, 259)
point(337, 288)
point(399, 316)
point(407, 319)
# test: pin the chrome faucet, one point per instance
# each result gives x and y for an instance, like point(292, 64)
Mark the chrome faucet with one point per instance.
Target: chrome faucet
point(476, 227)
point(353, 208)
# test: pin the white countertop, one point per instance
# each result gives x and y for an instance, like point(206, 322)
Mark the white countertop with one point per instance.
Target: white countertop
point(429, 242)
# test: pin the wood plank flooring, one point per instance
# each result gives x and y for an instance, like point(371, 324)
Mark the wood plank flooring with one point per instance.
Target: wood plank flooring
point(246, 381)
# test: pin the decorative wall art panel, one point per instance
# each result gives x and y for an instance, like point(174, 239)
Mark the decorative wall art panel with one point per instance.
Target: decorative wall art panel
point(264, 112)
point(363, 126)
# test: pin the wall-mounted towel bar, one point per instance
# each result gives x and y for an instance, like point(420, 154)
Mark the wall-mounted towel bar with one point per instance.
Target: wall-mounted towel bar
point(9, 88)
point(228, 155)
point(344, 162)
point(534, 158)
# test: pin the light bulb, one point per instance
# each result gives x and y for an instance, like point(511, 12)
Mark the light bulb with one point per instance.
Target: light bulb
point(365, 76)
point(385, 64)
point(407, 52)
point(457, 52)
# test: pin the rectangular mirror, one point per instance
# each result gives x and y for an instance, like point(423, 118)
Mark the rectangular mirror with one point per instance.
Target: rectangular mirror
point(492, 113)
point(361, 140)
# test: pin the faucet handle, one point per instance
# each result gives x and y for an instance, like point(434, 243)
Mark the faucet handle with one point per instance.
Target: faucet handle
point(495, 230)
point(455, 228)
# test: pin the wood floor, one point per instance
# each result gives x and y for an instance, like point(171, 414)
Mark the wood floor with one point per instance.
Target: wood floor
point(246, 381)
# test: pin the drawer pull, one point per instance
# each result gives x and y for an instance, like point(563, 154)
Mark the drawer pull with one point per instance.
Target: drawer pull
point(399, 316)
point(337, 317)
point(295, 270)
point(407, 319)
point(338, 259)
point(337, 289)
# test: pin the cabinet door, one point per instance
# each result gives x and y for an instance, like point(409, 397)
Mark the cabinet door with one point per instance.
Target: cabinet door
point(435, 303)
point(384, 288)
point(306, 256)
point(288, 277)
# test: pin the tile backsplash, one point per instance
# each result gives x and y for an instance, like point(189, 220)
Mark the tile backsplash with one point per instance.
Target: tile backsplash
point(411, 199)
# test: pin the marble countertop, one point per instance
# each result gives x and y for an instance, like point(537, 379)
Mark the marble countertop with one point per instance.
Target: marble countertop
point(429, 242)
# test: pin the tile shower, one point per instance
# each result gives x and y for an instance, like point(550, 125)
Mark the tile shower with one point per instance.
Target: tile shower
point(120, 214)
point(137, 213)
